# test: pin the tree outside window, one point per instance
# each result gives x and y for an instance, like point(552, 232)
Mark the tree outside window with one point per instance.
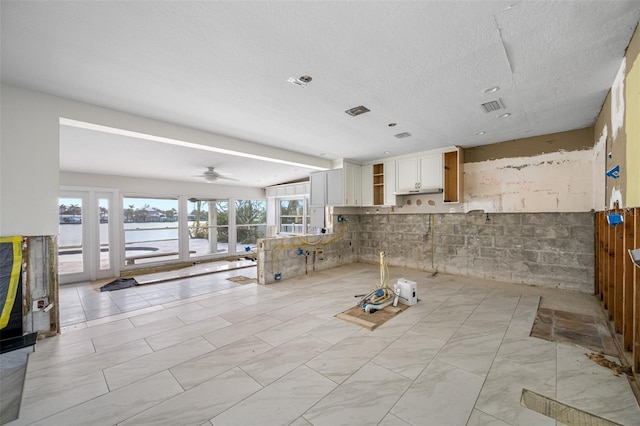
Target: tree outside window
point(292, 216)
point(251, 221)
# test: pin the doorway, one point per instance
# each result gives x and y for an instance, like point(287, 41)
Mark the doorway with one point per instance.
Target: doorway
point(87, 244)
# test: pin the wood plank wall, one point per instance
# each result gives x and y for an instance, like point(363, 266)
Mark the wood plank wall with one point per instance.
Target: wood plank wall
point(618, 279)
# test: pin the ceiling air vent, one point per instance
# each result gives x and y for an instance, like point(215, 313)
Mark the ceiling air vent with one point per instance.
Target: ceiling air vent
point(492, 106)
point(357, 110)
point(402, 135)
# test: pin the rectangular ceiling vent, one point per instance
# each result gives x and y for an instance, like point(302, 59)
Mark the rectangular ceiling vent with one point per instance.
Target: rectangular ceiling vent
point(357, 110)
point(492, 106)
point(403, 135)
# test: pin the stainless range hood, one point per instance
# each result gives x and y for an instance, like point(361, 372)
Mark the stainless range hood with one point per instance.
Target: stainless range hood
point(421, 191)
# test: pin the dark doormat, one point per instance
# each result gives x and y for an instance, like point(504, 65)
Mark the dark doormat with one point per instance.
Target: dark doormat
point(578, 329)
point(242, 279)
point(119, 284)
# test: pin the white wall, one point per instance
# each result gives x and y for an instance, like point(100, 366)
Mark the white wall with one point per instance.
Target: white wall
point(151, 187)
point(30, 162)
point(29, 165)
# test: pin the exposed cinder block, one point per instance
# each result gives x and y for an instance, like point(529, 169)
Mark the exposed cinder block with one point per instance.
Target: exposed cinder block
point(465, 229)
point(468, 251)
point(546, 249)
point(552, 232)
point(490, 230)
point(536, 219)
point(492, 252)
point(583, 233)
point(509, 242)
point(451, 239)
point(518, 231)
point(506, 218)
point(482, 240)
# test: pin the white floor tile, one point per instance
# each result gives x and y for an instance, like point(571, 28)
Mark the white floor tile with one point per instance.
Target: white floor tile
point(441, 395)
point(148, 365)
point(118, 405)
point(363, 399)
point(199, 404)
point(198, 370)
point(216, 341)
point(277, 362)
point(280, 403)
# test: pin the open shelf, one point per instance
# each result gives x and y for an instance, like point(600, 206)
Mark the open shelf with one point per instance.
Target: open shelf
point(378, 184)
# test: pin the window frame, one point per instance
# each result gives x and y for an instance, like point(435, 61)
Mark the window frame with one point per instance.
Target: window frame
point(306, 211)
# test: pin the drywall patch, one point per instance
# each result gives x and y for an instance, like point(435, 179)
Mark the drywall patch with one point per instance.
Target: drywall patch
point(617, 101)
point(599, 169)
point(553, 182)
point(632, 128)
point(616, 197)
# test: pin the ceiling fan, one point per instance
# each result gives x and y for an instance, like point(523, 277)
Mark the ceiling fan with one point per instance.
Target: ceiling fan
point(210, 175)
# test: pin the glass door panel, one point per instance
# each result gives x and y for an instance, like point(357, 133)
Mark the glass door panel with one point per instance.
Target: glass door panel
point(103, 234)
point(85, 236)
point(72, 257)
point(208, 227)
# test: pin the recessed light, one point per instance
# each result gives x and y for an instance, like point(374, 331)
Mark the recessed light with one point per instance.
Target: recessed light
point(357, 110)
point(387, 152)
point(301, 81)
point(505, 115)
point(493, 89)
point(480, 133)
point(402, 135)
point(392, 124)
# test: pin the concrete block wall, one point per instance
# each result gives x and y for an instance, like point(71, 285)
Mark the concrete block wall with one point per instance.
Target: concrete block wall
point(405, 239)
point(543, 249)
point(280, 255)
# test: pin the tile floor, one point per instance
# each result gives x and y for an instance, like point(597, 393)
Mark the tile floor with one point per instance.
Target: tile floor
point(208, 351)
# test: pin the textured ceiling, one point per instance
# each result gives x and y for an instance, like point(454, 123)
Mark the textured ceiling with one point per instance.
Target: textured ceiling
point(223, 67)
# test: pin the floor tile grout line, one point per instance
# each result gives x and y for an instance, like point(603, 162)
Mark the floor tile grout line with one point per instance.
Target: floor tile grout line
point(484, 382)
point(428, 363)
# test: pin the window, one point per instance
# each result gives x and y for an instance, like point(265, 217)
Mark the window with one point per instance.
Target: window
point(70, 236)
point(251, 223)
point(150, 230)
point(208, 223)
point(293, 216)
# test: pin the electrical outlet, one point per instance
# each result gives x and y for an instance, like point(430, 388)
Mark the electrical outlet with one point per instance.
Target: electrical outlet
point(38, 304)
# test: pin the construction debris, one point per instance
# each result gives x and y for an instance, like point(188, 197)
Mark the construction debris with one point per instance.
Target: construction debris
point(616, 368)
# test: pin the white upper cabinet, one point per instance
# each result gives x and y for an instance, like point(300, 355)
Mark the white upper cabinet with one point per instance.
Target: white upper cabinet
point(352, 185)
point(419, 174)
point(390, 197)
point(337, 187)
point(367, 185)
point(318, 187)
